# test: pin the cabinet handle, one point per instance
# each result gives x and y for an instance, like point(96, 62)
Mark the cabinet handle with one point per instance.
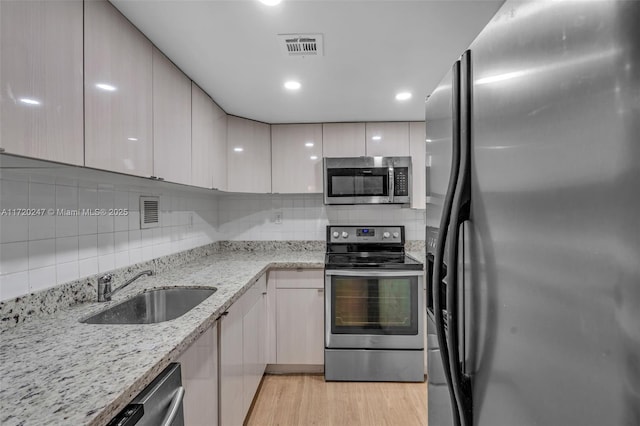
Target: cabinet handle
point(321, 290)
point(264, 293)
point(224, 314)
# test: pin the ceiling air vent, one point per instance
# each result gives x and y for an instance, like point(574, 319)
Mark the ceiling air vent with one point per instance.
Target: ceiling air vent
point(149, 212)
point(302, 44)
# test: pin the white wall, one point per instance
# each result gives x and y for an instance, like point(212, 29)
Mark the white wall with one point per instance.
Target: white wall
point(304, 217)
point(42, 251)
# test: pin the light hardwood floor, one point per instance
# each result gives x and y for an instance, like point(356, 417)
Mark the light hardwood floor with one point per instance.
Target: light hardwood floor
point(307, 400)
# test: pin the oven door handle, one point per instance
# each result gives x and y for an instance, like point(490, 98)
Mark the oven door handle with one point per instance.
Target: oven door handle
point(373, 273)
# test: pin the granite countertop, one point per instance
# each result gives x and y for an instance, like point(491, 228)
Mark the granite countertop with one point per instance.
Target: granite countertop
point(55, 370)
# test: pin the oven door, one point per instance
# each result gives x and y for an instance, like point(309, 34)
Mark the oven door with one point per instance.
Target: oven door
point(373, 309)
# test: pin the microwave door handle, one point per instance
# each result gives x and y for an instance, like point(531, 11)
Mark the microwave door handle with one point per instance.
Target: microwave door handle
point(392, 183)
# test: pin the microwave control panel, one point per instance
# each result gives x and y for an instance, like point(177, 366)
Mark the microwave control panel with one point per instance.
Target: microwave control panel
point(401, 181)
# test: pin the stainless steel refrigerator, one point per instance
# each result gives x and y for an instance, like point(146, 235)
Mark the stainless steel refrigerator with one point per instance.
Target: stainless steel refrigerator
point(533, 221)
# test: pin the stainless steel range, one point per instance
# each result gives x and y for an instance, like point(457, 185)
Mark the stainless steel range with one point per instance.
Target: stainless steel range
point(373, 306)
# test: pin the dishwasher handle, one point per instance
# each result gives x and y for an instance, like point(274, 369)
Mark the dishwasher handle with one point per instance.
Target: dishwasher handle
point(174, 407)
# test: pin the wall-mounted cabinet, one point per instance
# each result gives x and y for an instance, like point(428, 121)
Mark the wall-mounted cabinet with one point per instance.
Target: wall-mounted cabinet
point(248, 156)
point(41, 80)
point(208, 141)
point(118, 92)
point(417, 145)
point(387, 139)
point(296, 162)
point(171, 121)
point(343, 140)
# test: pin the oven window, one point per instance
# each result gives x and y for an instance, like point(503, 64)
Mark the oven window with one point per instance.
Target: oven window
point(362, 305)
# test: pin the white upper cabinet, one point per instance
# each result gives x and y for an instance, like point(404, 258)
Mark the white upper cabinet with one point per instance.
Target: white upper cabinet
point(417, 137)
point(297, 158)
point(118, 92)
point(208, 141)
point(343, 140)
point(41, 80)
point(171, 121)
point(388, 139)
point(248, 156)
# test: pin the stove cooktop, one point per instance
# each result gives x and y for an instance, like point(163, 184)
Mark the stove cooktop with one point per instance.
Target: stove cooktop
point(399, 261)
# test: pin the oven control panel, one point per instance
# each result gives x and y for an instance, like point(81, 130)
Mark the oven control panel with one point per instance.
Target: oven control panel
point(365, 234)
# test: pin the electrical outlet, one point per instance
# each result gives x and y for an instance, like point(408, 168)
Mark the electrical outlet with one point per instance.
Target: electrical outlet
point(277, 218)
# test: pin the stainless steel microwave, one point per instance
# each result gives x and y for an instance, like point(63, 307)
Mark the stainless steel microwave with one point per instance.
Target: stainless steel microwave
point(367, 180)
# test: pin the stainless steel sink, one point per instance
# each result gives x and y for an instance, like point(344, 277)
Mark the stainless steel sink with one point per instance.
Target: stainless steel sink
point(152, 306)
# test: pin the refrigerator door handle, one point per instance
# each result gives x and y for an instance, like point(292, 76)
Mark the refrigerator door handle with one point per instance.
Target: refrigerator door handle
point(460, 213)
point(439, 267)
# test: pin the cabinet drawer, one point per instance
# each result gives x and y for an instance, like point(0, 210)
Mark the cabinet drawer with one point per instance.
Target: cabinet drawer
point(299, 278)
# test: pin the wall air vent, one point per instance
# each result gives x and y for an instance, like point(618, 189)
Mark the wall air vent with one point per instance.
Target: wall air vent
point(149, 212)
point(302, 44)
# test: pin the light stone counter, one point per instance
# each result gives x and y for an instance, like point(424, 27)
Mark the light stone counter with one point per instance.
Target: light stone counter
point(55, 370)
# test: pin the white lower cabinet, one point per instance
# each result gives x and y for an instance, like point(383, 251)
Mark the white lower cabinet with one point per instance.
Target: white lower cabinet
point(300, 317)
point(253, 340)
point(199, 364)
point(231, 366)
point(242, 353)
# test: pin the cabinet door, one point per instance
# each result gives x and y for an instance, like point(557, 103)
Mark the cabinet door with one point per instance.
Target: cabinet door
point(231, 367)
point(41, 80)
point(208, 141)
point(200, 380)
point(300, 325)
point(343, 140)
point(297, 158)
point(248, 156)
point(417, 144)
point(251, 327)
point(387, 139)
point(171, 121)
point(118, 92)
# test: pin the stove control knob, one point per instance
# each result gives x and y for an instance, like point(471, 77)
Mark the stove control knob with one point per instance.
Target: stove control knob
point(345, 234)
point(396, 235)
point(386, 235)
point(336, 234)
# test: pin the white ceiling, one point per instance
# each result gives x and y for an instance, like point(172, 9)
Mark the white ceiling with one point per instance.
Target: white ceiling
point(372, 50)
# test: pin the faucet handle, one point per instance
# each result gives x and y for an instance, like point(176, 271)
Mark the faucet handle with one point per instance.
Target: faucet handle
point(105, 279)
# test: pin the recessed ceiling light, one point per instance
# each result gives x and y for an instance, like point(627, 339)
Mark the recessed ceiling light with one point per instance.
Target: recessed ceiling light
point(292, 85)
point(428, 140)
point(314, 157)
point(403, 96)
point(270, 2)
point(308, 144)
point(29, 101)
point(376, 138)
point(132, 139)
point(238, 149)
point(106, 87)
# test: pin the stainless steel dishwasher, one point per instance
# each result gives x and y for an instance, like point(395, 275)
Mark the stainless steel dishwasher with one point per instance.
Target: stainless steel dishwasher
point(159, 404)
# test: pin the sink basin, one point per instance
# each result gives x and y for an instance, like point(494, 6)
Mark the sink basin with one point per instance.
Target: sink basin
point(152, 306)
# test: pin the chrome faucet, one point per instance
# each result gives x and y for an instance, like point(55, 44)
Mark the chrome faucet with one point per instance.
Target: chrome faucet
point(104, 285)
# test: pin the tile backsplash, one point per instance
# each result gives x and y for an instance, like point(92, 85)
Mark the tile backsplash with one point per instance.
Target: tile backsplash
point(44, 250)
point(304, 217)
point(47, 249)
